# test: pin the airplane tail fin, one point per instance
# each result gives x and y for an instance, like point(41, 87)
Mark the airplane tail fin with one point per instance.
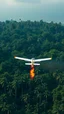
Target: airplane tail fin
point(31, 64)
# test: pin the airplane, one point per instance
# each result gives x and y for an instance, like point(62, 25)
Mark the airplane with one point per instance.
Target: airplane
point(32, 61)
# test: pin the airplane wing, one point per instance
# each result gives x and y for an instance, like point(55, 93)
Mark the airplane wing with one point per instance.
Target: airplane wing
point(45, 59)
point(25, 59)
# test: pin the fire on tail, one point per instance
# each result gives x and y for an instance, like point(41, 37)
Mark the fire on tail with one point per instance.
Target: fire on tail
point(32, 72)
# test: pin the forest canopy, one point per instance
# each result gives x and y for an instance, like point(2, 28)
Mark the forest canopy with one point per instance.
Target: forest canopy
point(18, 93)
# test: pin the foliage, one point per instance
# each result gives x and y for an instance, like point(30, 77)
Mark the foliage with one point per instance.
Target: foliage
point(18, 93)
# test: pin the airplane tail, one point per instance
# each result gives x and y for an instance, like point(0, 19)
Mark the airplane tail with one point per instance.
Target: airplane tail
point(31, 64)
point(36, 63)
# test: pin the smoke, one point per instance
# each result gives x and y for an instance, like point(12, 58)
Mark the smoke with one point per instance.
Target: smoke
point(52, 65)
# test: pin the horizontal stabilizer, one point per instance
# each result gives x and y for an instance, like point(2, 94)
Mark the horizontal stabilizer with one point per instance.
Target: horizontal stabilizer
point(28, 63)
point(36, 63)
point(31, 64)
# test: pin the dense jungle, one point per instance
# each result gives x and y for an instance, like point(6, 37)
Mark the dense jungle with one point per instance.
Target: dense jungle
point(18, 93)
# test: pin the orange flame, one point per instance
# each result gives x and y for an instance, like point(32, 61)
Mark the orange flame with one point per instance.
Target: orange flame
point(32, 74)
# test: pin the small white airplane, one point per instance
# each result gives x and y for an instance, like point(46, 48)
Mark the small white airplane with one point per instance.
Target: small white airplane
point(32, 61)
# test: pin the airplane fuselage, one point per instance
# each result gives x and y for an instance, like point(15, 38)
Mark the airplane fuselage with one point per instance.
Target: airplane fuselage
point(32, 61)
